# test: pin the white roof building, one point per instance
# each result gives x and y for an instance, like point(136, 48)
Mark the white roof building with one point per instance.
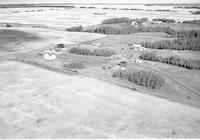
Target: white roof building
point(134, 23)
point(138, 61)
point(49, 56)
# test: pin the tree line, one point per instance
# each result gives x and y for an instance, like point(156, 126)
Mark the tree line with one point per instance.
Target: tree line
point(176, 44)
point(126, 28)
point(164, 20)
point(123, 26)
point(173, 60)
point(75, 29)
point(195, 22)
point(95, 52)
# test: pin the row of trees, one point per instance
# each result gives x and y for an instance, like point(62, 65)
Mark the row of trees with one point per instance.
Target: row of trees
point(168, 30)
point(196, 22)
point(143, 78)
point(75, 29)
point(164, 20)
point(121, 28)
point(176, 44)
point(124, 20)
point(74, 65)
point(96, 52)
point(173, 60)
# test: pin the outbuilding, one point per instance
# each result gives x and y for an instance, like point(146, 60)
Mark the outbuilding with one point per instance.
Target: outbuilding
point(49, 56)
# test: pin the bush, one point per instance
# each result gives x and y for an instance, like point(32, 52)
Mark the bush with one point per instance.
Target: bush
point(96, 52)
point(74, 65)
point(116, 20)
point(60, 45)
point(75, 29)
point(143, 78)
point(173, 60)
point(176, 44)
point(164, 20)
point(8, 25)
point(83, 7)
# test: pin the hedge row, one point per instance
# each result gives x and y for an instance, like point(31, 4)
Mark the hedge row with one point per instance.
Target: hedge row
point(96, 52)
point(173, 60)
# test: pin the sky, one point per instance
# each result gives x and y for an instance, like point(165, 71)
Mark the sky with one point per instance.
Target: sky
point(98, 1)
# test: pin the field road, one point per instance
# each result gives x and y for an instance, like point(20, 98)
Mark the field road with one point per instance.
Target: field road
point(171, 76)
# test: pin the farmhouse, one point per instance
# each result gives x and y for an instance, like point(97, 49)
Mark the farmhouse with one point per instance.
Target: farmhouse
point(137, 47)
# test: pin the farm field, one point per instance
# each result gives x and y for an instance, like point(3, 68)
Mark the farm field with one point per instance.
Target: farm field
point(76, 84)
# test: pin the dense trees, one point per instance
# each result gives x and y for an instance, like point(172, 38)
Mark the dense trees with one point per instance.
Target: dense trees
point(176, 44)
point(196, 22)
point(165, 20)
point(8, 25)
point(143, 78)
point(75, 29)
point(114, 26)
point(124, 20)
point(121, 28)
point(96, 52)
point(173, 60)
point(74, 65)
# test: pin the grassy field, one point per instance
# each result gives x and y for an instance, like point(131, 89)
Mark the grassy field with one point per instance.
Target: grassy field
point(77, 95)
point(94, 66)
point(39, 103)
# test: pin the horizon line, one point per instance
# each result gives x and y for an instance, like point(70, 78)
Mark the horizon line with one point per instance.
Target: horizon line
point(107, 3)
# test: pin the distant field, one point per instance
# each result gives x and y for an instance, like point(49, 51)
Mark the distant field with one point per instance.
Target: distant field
point(64, 17)
point(117, 42)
